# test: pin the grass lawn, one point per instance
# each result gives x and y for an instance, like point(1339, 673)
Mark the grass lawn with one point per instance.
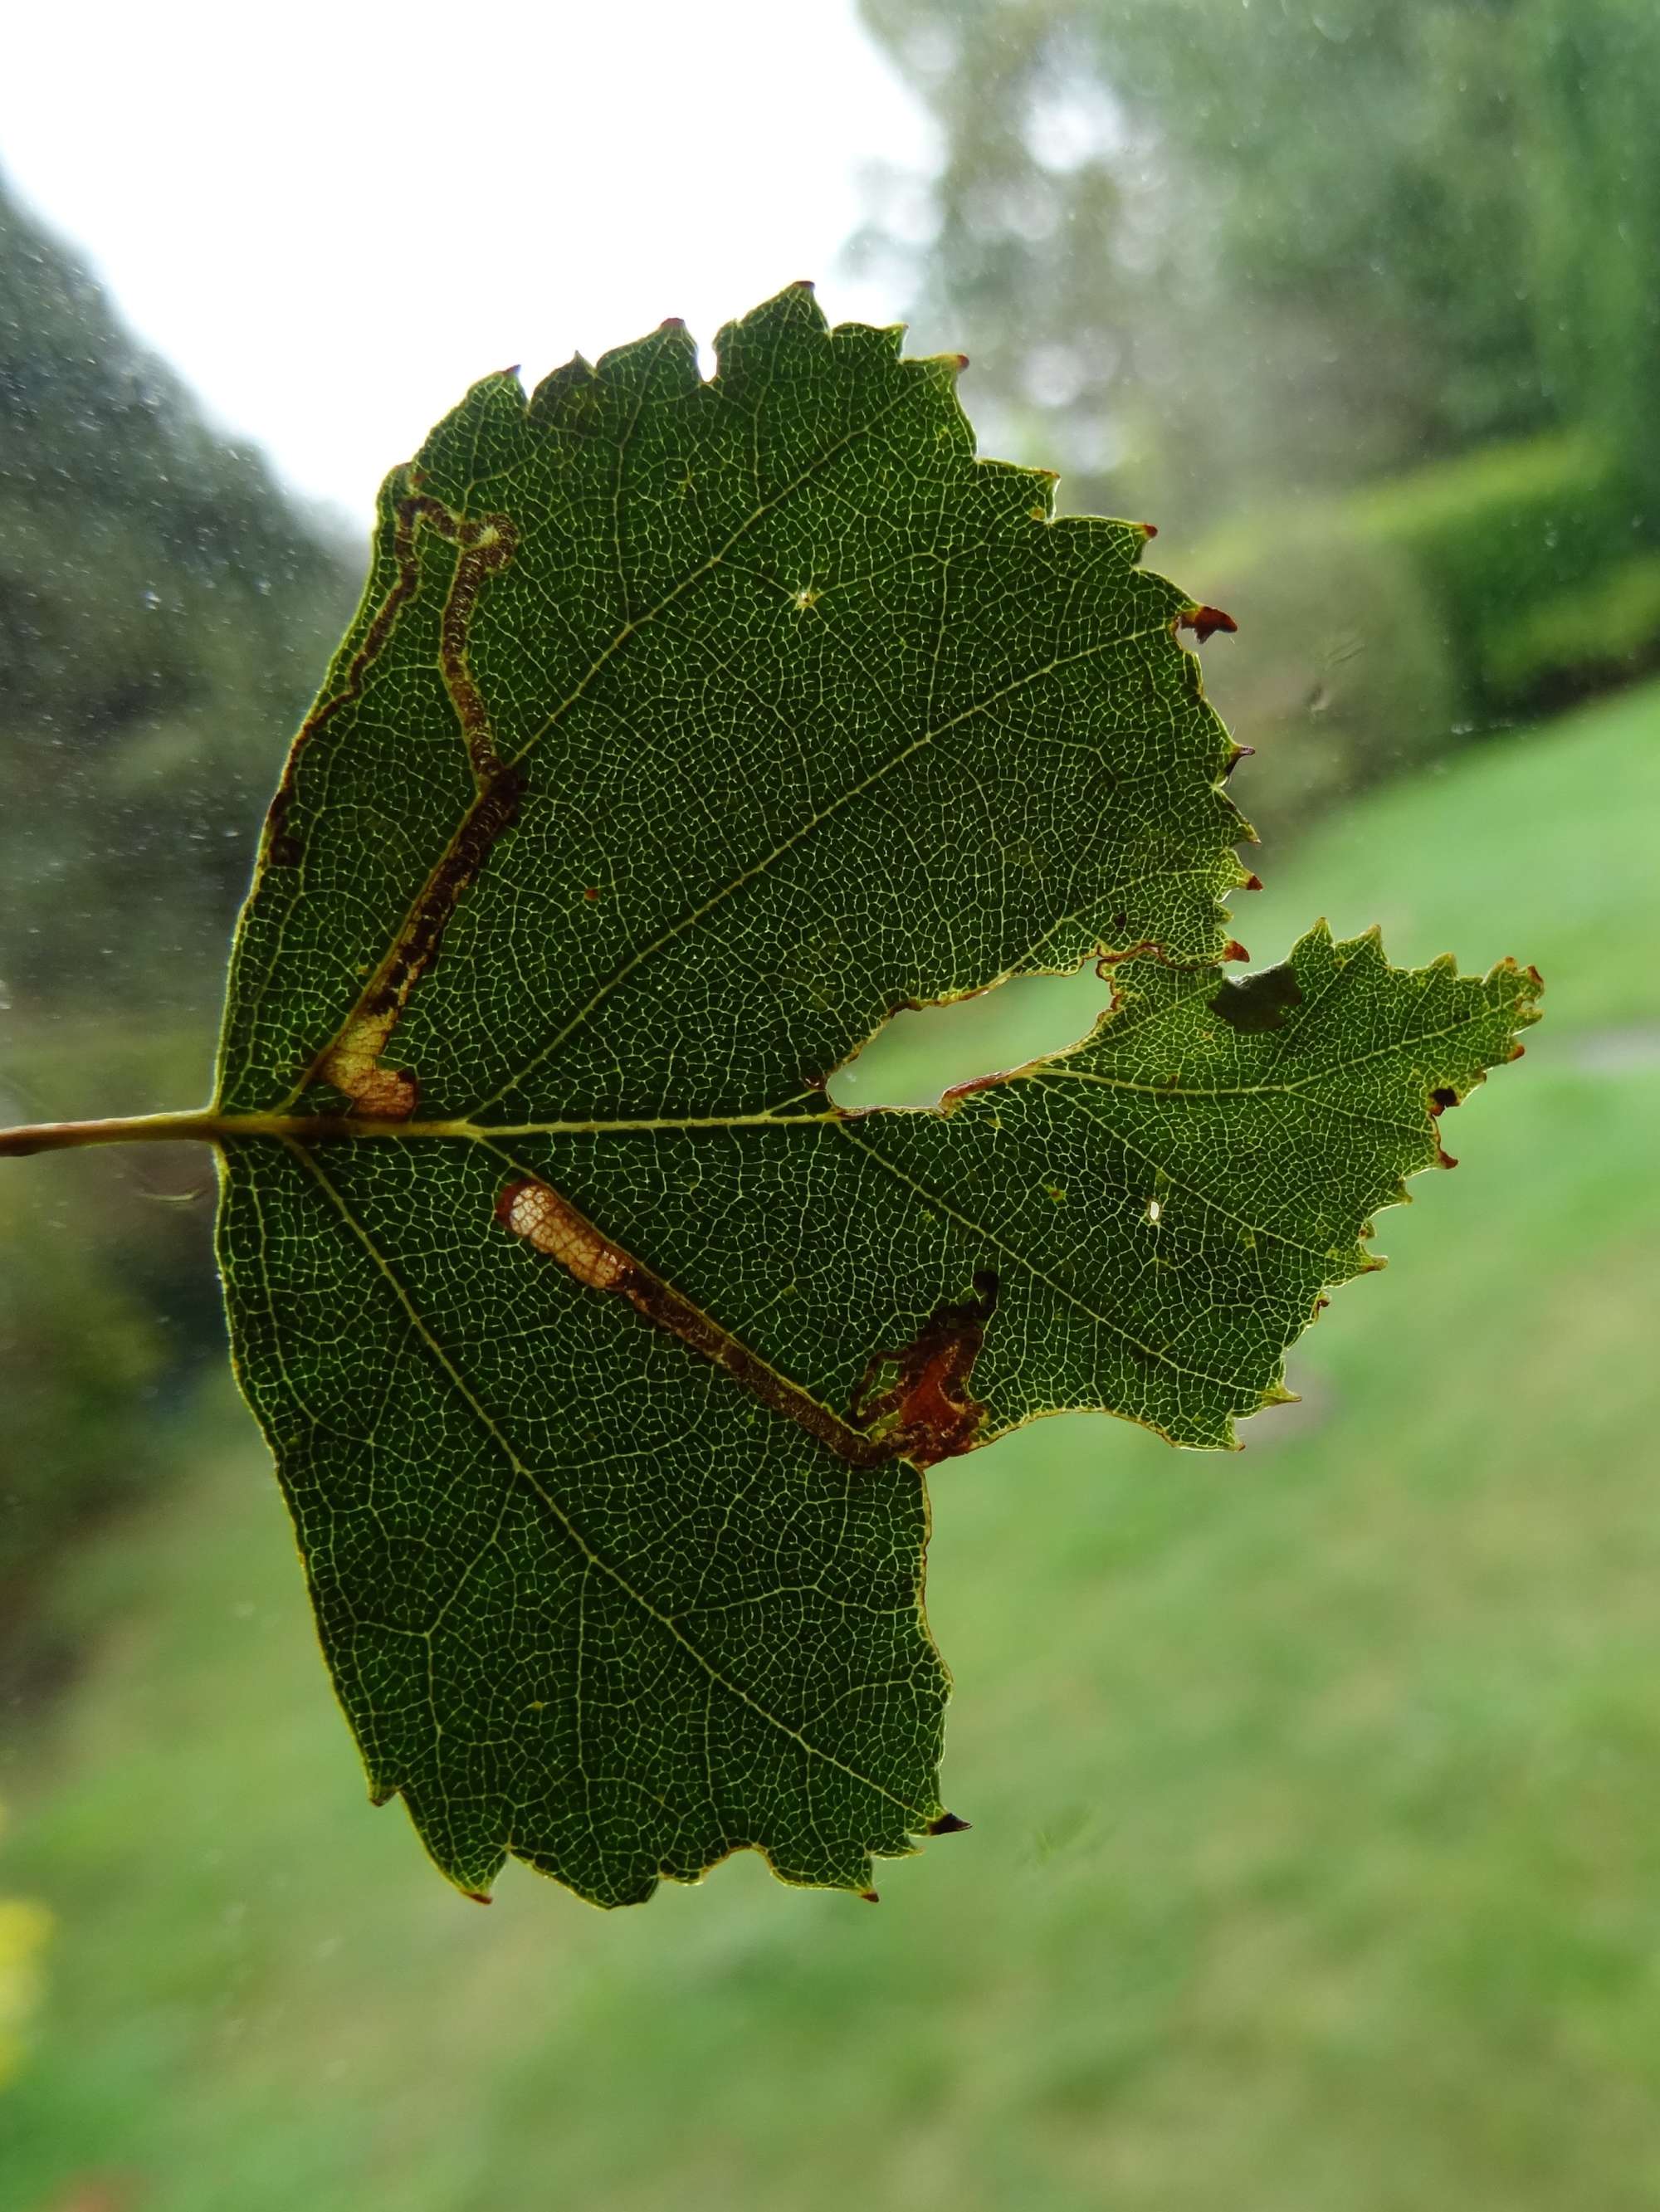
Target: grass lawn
point(1316, 1864)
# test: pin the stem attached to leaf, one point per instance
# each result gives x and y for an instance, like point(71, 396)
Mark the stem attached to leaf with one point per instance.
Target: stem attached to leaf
point(205, 1126)
point(131, 1129)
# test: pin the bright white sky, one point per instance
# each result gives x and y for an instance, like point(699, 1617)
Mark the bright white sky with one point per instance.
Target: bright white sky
point(333, 218)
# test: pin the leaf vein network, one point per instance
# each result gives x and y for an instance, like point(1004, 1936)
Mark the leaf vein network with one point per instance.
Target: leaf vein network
point(306, 1155)
point(1031, 1268)
point(635, 960)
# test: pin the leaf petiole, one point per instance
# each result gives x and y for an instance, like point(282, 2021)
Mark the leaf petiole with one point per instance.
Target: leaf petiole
point(206, 1127)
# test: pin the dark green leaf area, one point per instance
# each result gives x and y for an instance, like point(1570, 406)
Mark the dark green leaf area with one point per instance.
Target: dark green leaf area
point(813, 711)
point(583, 1599)
point(1163, 1207)
point(687, 730)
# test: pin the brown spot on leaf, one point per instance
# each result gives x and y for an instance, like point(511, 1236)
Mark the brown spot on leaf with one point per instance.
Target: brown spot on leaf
point(536, 1212)
point(1205, 621)
point(380, 1094)
point(926, 1412)
point(869, 1896)
point(948, 1825)
point(1251, 883)
point(1233, 949)
point(551, 1224)
point(1440, 1100)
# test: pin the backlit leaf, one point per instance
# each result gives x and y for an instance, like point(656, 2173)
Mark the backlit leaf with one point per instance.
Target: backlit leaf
point(687, 730)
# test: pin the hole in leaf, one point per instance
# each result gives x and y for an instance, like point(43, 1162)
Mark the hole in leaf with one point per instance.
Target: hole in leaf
point(925, 1051)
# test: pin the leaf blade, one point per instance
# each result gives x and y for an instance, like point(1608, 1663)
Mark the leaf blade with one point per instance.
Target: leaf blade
point(467, 1625)
point(685, 731)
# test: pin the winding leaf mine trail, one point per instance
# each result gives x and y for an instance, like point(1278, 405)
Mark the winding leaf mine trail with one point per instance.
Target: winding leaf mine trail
point(925, 1414)
point(352, 1061)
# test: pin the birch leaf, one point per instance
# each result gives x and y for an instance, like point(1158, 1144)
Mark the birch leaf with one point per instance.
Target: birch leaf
point(687, 730)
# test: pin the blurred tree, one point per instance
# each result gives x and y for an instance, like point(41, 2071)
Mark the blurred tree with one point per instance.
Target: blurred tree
point(1372, 286)
point(1592, 70)
point(1288, 244)
point(164, 614)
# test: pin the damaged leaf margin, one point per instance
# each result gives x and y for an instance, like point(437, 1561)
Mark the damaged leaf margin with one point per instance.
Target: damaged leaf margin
point(687, 730)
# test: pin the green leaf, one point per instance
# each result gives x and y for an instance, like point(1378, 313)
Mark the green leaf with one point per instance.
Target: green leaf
point(686, 731)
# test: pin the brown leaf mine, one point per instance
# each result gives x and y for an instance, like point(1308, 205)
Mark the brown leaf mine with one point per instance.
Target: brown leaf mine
point(549, 1223)
point(1205, 621)
point(536, 1212)
point(926, 1414)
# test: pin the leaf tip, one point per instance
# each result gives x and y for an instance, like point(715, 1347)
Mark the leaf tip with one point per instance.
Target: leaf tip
point(948, 1824)
point(869, 1896)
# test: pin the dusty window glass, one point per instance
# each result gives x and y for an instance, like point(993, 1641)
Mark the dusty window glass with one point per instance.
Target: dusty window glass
point(1313, 1792)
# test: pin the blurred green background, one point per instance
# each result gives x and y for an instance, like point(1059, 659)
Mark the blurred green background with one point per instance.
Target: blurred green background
point(1316, 1860)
